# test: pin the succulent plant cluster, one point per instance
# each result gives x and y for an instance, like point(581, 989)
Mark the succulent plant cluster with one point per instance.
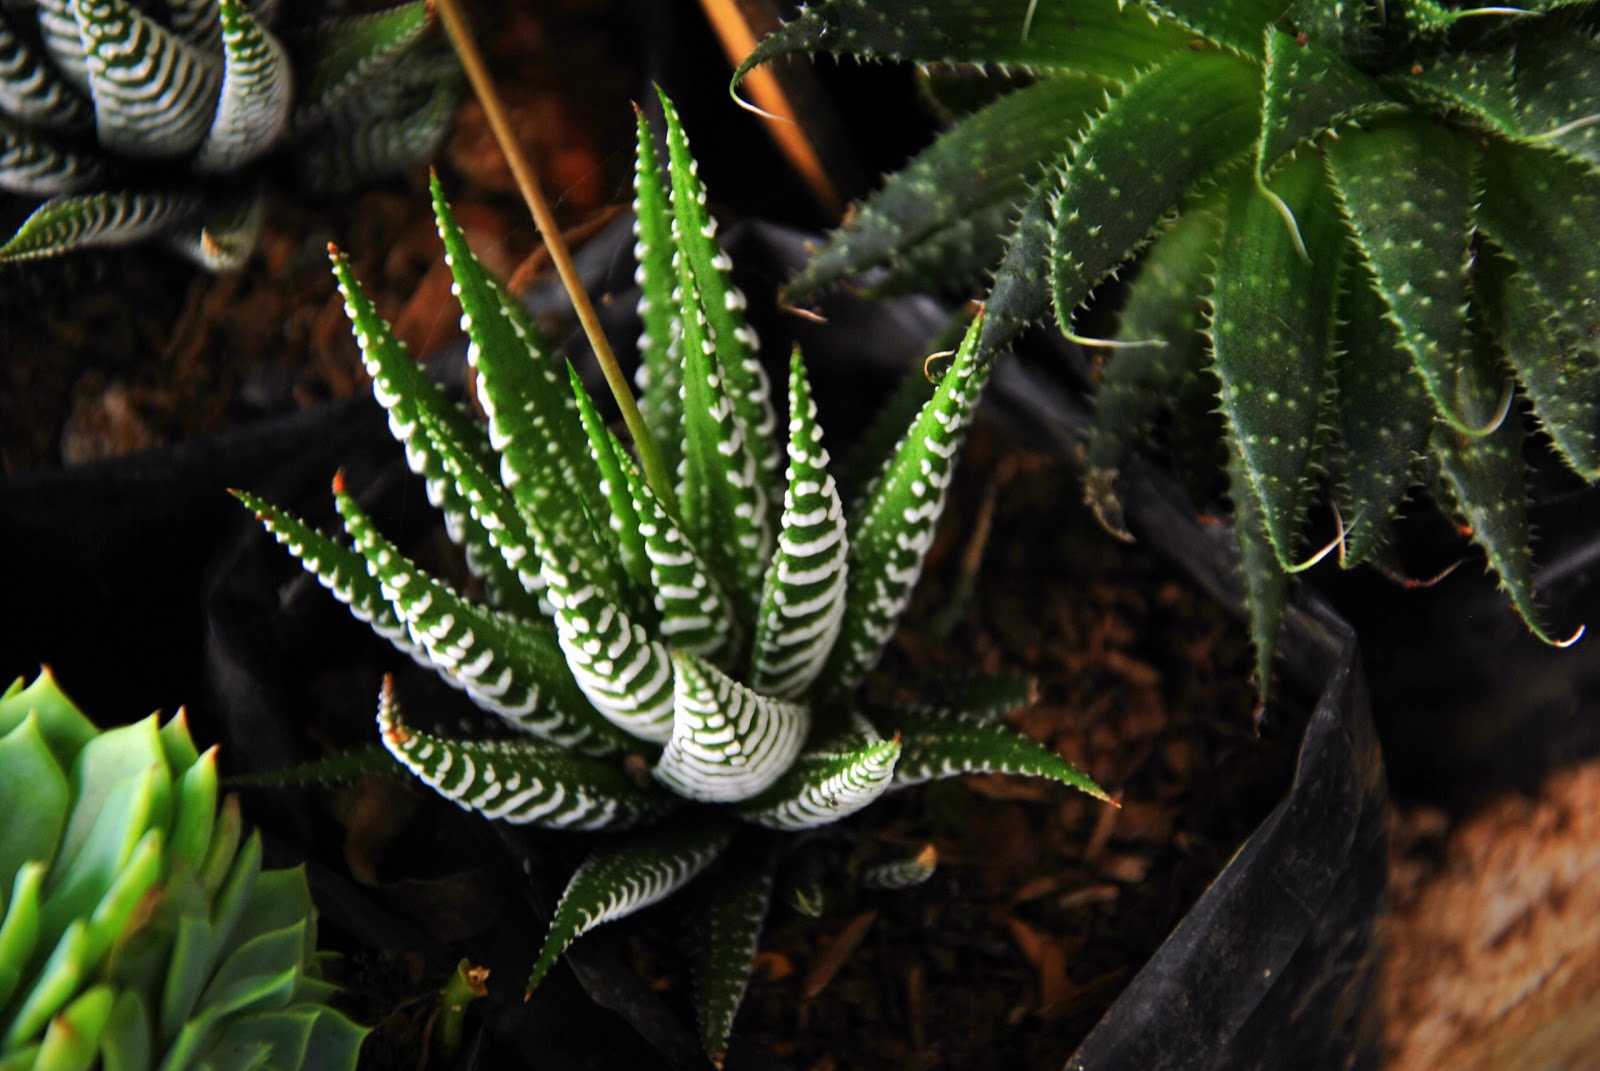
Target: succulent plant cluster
point(137, 929)
point(1365, 230)
point(136, 119)
point(678, 662)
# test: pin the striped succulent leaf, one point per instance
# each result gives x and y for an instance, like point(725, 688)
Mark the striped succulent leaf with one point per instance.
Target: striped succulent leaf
point(904, 872)
point(731, 916)
point(1380, 145)
point(92, 91)
point(679, 628)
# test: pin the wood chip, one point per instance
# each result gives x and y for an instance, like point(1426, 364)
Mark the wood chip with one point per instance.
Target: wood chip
point(836, 954)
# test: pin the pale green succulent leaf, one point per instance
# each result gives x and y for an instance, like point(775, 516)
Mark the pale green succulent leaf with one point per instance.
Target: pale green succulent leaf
point(32, 163)
point(20, 926)
point(431, 429)
point(510, 666)
point(1543, 209)
point(1309, 90)
point(1560, 373)
point(1271, 333)
point(1487, 478)
point(252, 110)
point(942, 219)
point(62, 725)
point(1102, 38)
point(68, 223)
point(521, 781)
point(341, 570)
point(890, 536)
point(803, 598)
point(1384, 411)
point(620, 879)
point(194, 811)
point(73, 1038)
point(533, 419)
point(660, 375)
point(33, 800)
point(54, 984)
point(274, 1039)
point(126, 895)
point(125, 1044)
point(734, 906)
point(1407, 186)
point(177, 746)
point(729, 742)
point(31, 90)
point(1177, 126)
point(1240, 26)
point(827, 782)
point(154, 93)
point(1165, 348)
point(938, 747)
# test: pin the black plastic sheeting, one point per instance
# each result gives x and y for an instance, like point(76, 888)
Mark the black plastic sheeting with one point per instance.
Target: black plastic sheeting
point(144, 584)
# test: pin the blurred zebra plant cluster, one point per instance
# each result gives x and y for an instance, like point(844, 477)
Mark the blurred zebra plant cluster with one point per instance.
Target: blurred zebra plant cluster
point(137, 119)
point(1361, 227)
point(678, 662)
point(137, 929)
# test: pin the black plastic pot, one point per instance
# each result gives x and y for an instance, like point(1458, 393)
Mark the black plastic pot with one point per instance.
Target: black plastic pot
point(144, 585)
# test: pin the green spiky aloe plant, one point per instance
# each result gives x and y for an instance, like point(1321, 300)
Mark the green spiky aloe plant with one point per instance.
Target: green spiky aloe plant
point(137, 928)
point(105, 104)
point(717, 628)
point(1367, 221)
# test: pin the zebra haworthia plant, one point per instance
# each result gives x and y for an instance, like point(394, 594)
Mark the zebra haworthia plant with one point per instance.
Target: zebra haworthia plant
point(1362, 226)
point(105, 103)
point(137, 928)
point(716, 628)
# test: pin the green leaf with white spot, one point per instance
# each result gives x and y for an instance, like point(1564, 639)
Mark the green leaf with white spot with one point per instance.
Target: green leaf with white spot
point(803, 598)
point(430, 427)
point(729, 742)
point(1177, 126)
point(745, 383)
point(891, 534)
point(1407, 187)
point(1271, 332)
point(511, 667)
point(69, 223)
point(1165, 347)
point(1103, 38)
point(1348, 27)
point(1480, 84)
point(154, 93)
point(533, 418)
point(521, 781)
point(935, 748)
point(1558, 92)
point(660, 376)
point(734, 907)
point(623, 878)
point(252, 109)
point(830, 781)
point(942, 219)
point(1266, 585)
point(1543, 209)
point(1487, 478)
point(1384, 411)
point(1238, 25)
point(1309, 90)
point(1559, 372)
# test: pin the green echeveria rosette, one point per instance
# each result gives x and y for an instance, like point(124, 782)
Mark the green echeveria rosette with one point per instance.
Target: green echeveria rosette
point(676, 664)
point(140, 120)
point(137, 929)
point(1372, 225)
